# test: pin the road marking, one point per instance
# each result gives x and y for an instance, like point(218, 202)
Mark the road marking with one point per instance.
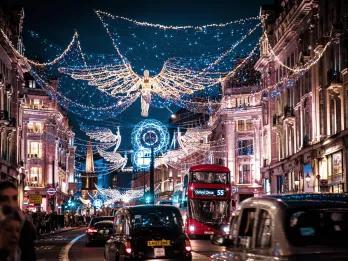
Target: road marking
point(200, 257)
point(64, 253)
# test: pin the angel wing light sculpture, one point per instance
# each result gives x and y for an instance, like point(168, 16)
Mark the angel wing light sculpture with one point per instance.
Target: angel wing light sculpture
point(171, 83)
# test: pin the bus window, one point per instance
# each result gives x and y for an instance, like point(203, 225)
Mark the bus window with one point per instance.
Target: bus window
point(210, 177)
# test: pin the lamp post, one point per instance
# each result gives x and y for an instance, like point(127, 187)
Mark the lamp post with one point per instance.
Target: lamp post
point(152, 177)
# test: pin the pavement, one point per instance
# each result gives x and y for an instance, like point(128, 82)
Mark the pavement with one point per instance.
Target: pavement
point(70, 245)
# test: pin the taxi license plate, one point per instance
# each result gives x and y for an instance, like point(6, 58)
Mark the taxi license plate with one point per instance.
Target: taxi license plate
point(209, 232)
point(158, 243)
point(159, 252)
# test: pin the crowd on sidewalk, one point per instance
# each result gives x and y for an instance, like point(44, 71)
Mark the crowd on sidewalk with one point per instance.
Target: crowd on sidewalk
point(19, 229)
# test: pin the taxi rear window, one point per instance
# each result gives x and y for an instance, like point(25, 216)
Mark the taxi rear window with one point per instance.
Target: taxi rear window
point(325, 227)
point(157, 218)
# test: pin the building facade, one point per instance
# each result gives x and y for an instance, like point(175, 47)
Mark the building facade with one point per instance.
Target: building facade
point(238, 125)
point(11, 80)
point(303, 63)
point(48, 150)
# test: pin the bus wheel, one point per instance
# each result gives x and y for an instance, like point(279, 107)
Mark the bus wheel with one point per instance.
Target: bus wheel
point(192, 236)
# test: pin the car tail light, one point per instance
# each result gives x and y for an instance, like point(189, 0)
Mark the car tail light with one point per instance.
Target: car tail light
point(91, 230)
point(192, 228)
point(188, 245)
point(128, 247)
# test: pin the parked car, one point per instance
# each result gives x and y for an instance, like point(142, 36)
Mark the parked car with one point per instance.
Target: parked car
point(148, 232)
point(289, 227)
point(99, 232)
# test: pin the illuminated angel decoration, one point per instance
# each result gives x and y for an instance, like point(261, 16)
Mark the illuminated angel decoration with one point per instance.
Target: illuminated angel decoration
point(170, 84)
point(107, 141)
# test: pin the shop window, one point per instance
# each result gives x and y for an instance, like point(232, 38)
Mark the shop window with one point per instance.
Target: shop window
point(264, 230)
point(280, 183)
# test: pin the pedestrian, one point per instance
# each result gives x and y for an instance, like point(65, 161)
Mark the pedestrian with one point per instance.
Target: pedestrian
point(10, 228)
point(9, 197)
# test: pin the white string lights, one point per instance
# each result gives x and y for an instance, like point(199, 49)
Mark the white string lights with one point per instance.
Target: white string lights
point(170, 84)
point(113, 195)
point(32, 62)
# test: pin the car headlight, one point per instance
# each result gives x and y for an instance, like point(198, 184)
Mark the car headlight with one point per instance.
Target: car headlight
point(226, 229)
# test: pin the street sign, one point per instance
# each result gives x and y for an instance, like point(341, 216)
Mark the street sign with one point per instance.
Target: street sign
point(234, 189)
point(35, 199)
point(51, 191)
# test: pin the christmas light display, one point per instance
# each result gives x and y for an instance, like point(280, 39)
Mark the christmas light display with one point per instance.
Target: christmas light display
point(149, 134)
point(146, 135)
point(113, 195)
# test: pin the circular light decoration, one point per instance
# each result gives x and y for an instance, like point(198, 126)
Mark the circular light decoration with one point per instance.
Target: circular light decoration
point(98, 203)
point(150, 134)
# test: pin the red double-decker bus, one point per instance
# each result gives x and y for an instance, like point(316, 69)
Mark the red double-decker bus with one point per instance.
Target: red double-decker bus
point(208, 191)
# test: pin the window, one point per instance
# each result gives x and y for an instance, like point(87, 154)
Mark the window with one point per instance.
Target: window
point(245, 147)
point(244, 174)
point(35, 176)
point(34, 149)
point(234, 230)
point(32, 84)
point(247, 227)
point(36, 104)
point(35, 127)
point(248, 125)
point(240, 125)
point(264, 233)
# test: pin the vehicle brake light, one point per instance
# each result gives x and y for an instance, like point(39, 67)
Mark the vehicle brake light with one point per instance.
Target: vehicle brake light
point(192, 228)
point(128, 247)
point(188, 245)
point(92, 230)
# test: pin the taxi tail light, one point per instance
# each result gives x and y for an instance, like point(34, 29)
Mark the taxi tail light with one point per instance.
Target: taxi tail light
point(128, 247)
point(92, 230)
point(188, 245)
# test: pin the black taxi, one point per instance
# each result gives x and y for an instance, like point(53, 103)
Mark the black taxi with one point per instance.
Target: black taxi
point(148, 232)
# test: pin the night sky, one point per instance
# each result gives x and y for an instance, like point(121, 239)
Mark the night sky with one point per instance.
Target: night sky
point(57, 21)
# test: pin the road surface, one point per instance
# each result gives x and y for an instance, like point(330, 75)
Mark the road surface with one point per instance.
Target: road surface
point(70, 245)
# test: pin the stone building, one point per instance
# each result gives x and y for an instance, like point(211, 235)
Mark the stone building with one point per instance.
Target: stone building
point(237, 124)
point(304, 68)
point(12, 71)
point(48, 150)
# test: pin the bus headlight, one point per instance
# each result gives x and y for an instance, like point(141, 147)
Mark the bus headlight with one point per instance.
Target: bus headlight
point(192, 228)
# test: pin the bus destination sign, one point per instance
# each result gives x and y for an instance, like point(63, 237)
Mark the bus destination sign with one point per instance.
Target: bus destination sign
point(205, 192)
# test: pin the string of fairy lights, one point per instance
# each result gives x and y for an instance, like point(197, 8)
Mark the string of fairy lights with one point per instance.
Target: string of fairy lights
point(177, 82)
